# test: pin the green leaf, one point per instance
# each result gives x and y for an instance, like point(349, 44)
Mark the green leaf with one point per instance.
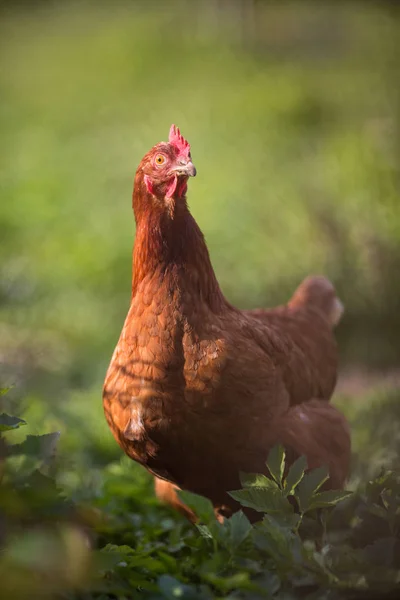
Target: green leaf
point(377, 510)
point(224, 584)
point(230, 533)
point(328, 498)
point(256, 480)
point(204, 531)
point(310, 484)
point(107, 558)
point(295, 475)
point(284, 520)
point(7, 422)
point(37, 446)
point(172, 589)
point(122, 550)
point(238, 528)
point(390, 501)
point(4, 391)
point(201, 506)
point(276, 463)
point(380, 552)
point(168, 561)
point(271, 537)
point(262, 499)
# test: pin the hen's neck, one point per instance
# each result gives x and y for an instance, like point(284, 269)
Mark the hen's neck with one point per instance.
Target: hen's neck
point(170, 246)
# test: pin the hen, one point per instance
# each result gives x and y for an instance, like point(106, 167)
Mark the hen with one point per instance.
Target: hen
point(198, 390)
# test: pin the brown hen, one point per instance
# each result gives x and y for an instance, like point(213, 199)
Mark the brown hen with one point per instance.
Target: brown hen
point(198, 390)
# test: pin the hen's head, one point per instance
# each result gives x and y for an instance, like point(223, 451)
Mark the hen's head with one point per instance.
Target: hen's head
point(167, 167)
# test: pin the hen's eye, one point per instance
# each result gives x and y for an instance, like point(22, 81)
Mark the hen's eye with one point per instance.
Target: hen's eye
point(160, 159)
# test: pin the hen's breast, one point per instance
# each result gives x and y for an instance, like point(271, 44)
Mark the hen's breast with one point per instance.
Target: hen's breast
point(189, 391)
point(163, 376)
point(146, 367)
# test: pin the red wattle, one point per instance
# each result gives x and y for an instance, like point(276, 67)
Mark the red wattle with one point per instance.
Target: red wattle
point(172, 187)
point(149, 184)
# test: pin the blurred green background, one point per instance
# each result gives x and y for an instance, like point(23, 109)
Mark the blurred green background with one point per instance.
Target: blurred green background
point(293, 112)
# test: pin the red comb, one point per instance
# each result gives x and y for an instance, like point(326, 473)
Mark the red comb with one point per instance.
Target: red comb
point(177, 140)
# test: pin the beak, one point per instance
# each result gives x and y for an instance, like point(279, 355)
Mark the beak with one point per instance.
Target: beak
point(186, 168)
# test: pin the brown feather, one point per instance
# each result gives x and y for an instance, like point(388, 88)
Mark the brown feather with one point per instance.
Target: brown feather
point(198, 390)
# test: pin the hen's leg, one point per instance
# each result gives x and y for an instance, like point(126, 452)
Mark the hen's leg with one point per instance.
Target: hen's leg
point(166, 492)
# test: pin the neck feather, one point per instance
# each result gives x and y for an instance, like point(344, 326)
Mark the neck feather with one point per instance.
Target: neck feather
point(169, 245)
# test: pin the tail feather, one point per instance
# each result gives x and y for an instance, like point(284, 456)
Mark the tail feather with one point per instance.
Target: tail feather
point(319, 431)
point(319, 292)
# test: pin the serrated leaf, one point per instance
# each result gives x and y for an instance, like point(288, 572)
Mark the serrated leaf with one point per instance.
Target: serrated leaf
point(201, 506)
point(295, 475)
point(309, 485)
point(284, 520)
point(42, 496)
point(276, 463)
point(256, 480)
point(230, 533)
point(204, 531)
point(238, 528)
point(42, 447)
point(262, 499)
point(328, 498)
point(274, 539)
point(7, 422)
point(122, 550)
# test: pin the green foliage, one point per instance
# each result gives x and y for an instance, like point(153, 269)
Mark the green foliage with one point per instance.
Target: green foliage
point(276, 464)
point(295, 475)
point(111, 541)
point(309, 485)
point(263, 498)
point(44, 550)
point(7, 423)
